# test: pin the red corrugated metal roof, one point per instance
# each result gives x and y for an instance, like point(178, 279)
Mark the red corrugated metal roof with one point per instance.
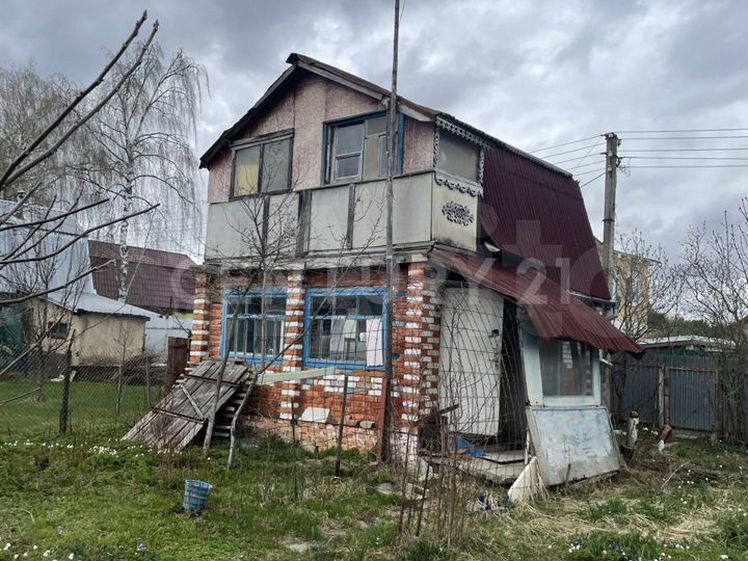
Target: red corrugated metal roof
point(159, 280)
point(534, 212)
point(554, 312)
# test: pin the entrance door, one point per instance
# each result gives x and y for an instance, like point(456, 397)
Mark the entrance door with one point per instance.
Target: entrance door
point(470, 358)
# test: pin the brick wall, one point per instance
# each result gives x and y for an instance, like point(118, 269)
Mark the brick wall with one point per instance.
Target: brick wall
point(415, 360)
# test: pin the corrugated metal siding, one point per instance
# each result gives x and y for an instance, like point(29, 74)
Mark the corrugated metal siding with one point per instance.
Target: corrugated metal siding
point(553, 311)
point(640, 393)
point(535, 212)
point(693, 399)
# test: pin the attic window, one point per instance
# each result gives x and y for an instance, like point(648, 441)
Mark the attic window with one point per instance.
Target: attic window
point(458, 157)
point(357, 149)
point(262, 168)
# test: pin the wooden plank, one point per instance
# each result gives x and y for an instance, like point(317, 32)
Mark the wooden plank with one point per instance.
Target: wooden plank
point(172, 424)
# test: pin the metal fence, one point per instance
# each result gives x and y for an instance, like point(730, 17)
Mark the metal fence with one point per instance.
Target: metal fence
point(685, 390)
point(47, 392)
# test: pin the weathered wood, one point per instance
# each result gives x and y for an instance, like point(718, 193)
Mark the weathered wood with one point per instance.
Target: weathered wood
point(179, 416)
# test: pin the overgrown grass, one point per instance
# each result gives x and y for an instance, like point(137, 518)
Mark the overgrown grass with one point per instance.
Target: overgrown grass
point(95, 497)
point(92, 406)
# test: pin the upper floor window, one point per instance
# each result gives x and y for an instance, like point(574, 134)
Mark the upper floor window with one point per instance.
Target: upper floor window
point(566, 368)
point(458, 157)
point(262, 168)
point(357, 149)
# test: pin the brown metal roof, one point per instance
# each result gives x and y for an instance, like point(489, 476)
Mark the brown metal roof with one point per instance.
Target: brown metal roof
point(534, 212)
point(159, 280)
point(553, 311)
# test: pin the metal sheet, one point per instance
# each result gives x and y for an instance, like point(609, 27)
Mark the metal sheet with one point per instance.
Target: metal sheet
point(573, 444)
point(329, 218)
point(533, 211)
point(693, 399)
point(554, 312)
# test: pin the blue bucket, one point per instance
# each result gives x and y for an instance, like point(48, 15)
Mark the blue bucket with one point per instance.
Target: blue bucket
point(196, 495)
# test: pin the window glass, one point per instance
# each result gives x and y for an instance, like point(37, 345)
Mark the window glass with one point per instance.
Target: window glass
point(359, 150)
point(247, 171)
point(348, 139)
point(458, 157)
point(347, 166)
point(565, 368)
point(59, 330)
point(275, 165)
point(348, 332)
point(244, 331)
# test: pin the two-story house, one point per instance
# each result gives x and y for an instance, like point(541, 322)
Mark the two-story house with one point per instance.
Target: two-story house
point(496, 330)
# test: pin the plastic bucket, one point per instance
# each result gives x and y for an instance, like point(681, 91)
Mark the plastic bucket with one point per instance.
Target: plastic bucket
point(196, 495)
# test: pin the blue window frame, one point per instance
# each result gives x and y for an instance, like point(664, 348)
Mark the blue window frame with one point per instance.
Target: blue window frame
point(344, 327)
point(243, 336)
point(355, 148)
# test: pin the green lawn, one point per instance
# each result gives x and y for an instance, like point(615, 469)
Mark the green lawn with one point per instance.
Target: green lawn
point(93, 496)
point(92, 407)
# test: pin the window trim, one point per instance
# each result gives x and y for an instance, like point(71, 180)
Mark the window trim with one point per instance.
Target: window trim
point(261, 141)
point(358, 291)
point(269, 291)
point(328, 153)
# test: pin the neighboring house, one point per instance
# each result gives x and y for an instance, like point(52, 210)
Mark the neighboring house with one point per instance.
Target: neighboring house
point(499, 284)
point(159, 281)
point(100, 328)
point(629, 286)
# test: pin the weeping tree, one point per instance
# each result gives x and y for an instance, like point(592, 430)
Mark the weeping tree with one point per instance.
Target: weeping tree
point(143, 147)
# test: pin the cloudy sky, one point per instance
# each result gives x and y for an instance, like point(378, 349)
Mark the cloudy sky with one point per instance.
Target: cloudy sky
point(535, 74)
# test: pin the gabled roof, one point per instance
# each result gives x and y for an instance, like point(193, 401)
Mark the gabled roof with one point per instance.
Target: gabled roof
point(159, 280)
point(302, 63)
point(531, 208)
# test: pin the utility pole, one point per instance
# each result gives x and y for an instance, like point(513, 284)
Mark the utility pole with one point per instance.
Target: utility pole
point(609, 218)
point(384, 444)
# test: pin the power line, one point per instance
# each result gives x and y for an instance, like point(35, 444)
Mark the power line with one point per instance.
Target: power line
point(681, 137)
point(593, 179)
point(564, 144)
point(588, 164)
point(694, 166)
point(589, 171)
point(682, 158)
point(731, 149)
point(569, 151)
point(574, 159)
point(680, 130)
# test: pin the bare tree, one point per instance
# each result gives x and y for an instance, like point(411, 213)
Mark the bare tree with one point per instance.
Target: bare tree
point(645, 283)
point(143, 144)
point(43, 148)
point(716, 278)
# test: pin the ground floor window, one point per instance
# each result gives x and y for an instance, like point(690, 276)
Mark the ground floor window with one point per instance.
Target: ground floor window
point(345, 327)
point(243, 319)
point(566, 368)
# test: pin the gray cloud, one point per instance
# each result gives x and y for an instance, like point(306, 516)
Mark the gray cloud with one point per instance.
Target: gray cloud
point(533, 74)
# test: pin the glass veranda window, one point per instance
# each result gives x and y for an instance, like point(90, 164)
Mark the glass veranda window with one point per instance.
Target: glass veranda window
point(346, 329)
point(566, 368)
point(243, 325)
